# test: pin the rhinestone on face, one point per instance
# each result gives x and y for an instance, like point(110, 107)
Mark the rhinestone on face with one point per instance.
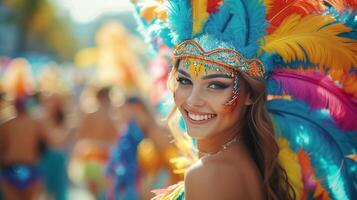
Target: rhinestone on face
point(187, 64)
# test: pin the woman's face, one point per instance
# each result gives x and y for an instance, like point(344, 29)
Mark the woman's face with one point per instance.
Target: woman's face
point(201, 100)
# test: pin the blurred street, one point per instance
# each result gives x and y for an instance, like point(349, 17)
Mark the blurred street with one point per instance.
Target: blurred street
point(82, 96)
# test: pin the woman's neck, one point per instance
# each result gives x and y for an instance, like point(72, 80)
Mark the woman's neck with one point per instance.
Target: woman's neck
point(216, 143)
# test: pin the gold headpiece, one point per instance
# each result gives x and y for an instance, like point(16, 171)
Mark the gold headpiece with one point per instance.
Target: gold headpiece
point(220, 57)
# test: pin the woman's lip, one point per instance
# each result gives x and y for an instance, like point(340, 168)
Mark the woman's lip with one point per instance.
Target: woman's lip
point(199, 121)
point(198, 113)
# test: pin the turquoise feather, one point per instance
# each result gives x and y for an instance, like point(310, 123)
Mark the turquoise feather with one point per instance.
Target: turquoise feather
point(179, 20)
point(349, 18)
point(240, 23)
point(317, 134)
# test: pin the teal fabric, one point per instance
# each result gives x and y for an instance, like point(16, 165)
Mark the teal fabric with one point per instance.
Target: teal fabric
point(54, 165)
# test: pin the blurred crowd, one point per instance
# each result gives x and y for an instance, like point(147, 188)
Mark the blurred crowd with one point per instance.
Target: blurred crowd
point(94, 129)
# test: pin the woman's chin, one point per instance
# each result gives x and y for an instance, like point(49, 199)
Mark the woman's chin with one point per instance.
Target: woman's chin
point(197, 134)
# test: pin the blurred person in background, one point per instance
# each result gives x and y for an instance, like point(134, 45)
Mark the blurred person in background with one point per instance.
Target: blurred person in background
point(23, 139)
point(139, 161)
point(154, 151)
point(54, 116)
point(2, 106)
point(53, 99)
point(96, 134)
point(54, 163)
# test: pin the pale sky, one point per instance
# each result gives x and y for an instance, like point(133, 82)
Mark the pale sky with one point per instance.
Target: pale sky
point(84, 11)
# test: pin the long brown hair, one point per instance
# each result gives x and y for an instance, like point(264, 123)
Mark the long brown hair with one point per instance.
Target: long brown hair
point(259, 139)
point(262, 144)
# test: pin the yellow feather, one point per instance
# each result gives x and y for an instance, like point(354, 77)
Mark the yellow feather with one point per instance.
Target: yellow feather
point(289, 161)
point(352, 156)
point(268, 5)
point(199, 15)
point(181, 164)
point(315, 36)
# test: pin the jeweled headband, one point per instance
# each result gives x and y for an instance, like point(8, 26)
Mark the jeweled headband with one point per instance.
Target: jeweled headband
point(221, 56)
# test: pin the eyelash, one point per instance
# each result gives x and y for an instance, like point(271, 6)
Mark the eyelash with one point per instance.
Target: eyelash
point(183, 81)
point(218, 86)
point(213, 85)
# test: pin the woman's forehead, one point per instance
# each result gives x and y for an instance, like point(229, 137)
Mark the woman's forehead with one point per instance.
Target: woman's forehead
point(194, 68)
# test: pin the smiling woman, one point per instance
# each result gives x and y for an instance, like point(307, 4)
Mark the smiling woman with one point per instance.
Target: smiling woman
point(202, 100)
point(224, 109)
point(228, 54)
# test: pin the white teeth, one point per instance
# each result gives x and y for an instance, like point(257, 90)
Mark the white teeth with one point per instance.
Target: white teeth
point(200, 117)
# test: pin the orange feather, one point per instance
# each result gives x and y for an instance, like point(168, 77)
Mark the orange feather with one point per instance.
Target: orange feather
point(352, 156)
point(309, 177)
point(348, 81)
point(351, 4)
point(278, 10)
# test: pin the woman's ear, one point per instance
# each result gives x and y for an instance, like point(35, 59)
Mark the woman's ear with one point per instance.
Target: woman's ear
point(248, 100)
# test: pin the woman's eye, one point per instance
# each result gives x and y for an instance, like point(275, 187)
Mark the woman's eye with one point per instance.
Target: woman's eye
point(218, 86)
point(183, 81)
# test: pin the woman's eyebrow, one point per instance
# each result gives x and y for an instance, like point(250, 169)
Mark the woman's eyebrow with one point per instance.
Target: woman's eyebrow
point(184, 73)
point(217, 76)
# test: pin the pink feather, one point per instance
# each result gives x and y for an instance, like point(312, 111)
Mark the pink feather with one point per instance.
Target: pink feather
point(320, 92)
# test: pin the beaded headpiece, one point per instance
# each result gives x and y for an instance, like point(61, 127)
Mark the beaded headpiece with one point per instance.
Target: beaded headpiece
point(214, 59)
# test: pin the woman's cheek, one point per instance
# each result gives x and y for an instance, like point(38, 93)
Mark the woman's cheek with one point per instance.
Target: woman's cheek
point(179, 96)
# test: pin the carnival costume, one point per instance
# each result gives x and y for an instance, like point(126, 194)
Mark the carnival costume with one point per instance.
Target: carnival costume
point(21, 176)
point(305, 51)
point(123, 166)
point(136, 165)
point(18, 85)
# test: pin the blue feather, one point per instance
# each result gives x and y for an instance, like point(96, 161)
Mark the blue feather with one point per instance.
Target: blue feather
point(236, 28)
point(217, 23)
point(348, 18)
point(240, 23)
point(318, 135)
point(352, 166)
point(179, 20)
point(274, 62)
point(153, 30)
point(159, 29)
point(256, 12)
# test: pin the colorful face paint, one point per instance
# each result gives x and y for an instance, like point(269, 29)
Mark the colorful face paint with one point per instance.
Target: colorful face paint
point(198, 67)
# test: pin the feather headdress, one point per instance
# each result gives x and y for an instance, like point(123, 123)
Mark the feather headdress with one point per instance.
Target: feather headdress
point(309, 52)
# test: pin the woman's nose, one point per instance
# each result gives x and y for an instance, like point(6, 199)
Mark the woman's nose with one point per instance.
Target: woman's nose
point(195, 98)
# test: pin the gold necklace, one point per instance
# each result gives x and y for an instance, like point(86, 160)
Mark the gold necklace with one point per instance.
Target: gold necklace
point(223, 147)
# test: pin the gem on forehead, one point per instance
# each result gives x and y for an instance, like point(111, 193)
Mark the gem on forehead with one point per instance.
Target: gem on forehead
point(187, 63)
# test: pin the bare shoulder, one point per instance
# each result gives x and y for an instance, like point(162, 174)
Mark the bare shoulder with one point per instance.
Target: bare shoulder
point(6, 125)
point(211, 180)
